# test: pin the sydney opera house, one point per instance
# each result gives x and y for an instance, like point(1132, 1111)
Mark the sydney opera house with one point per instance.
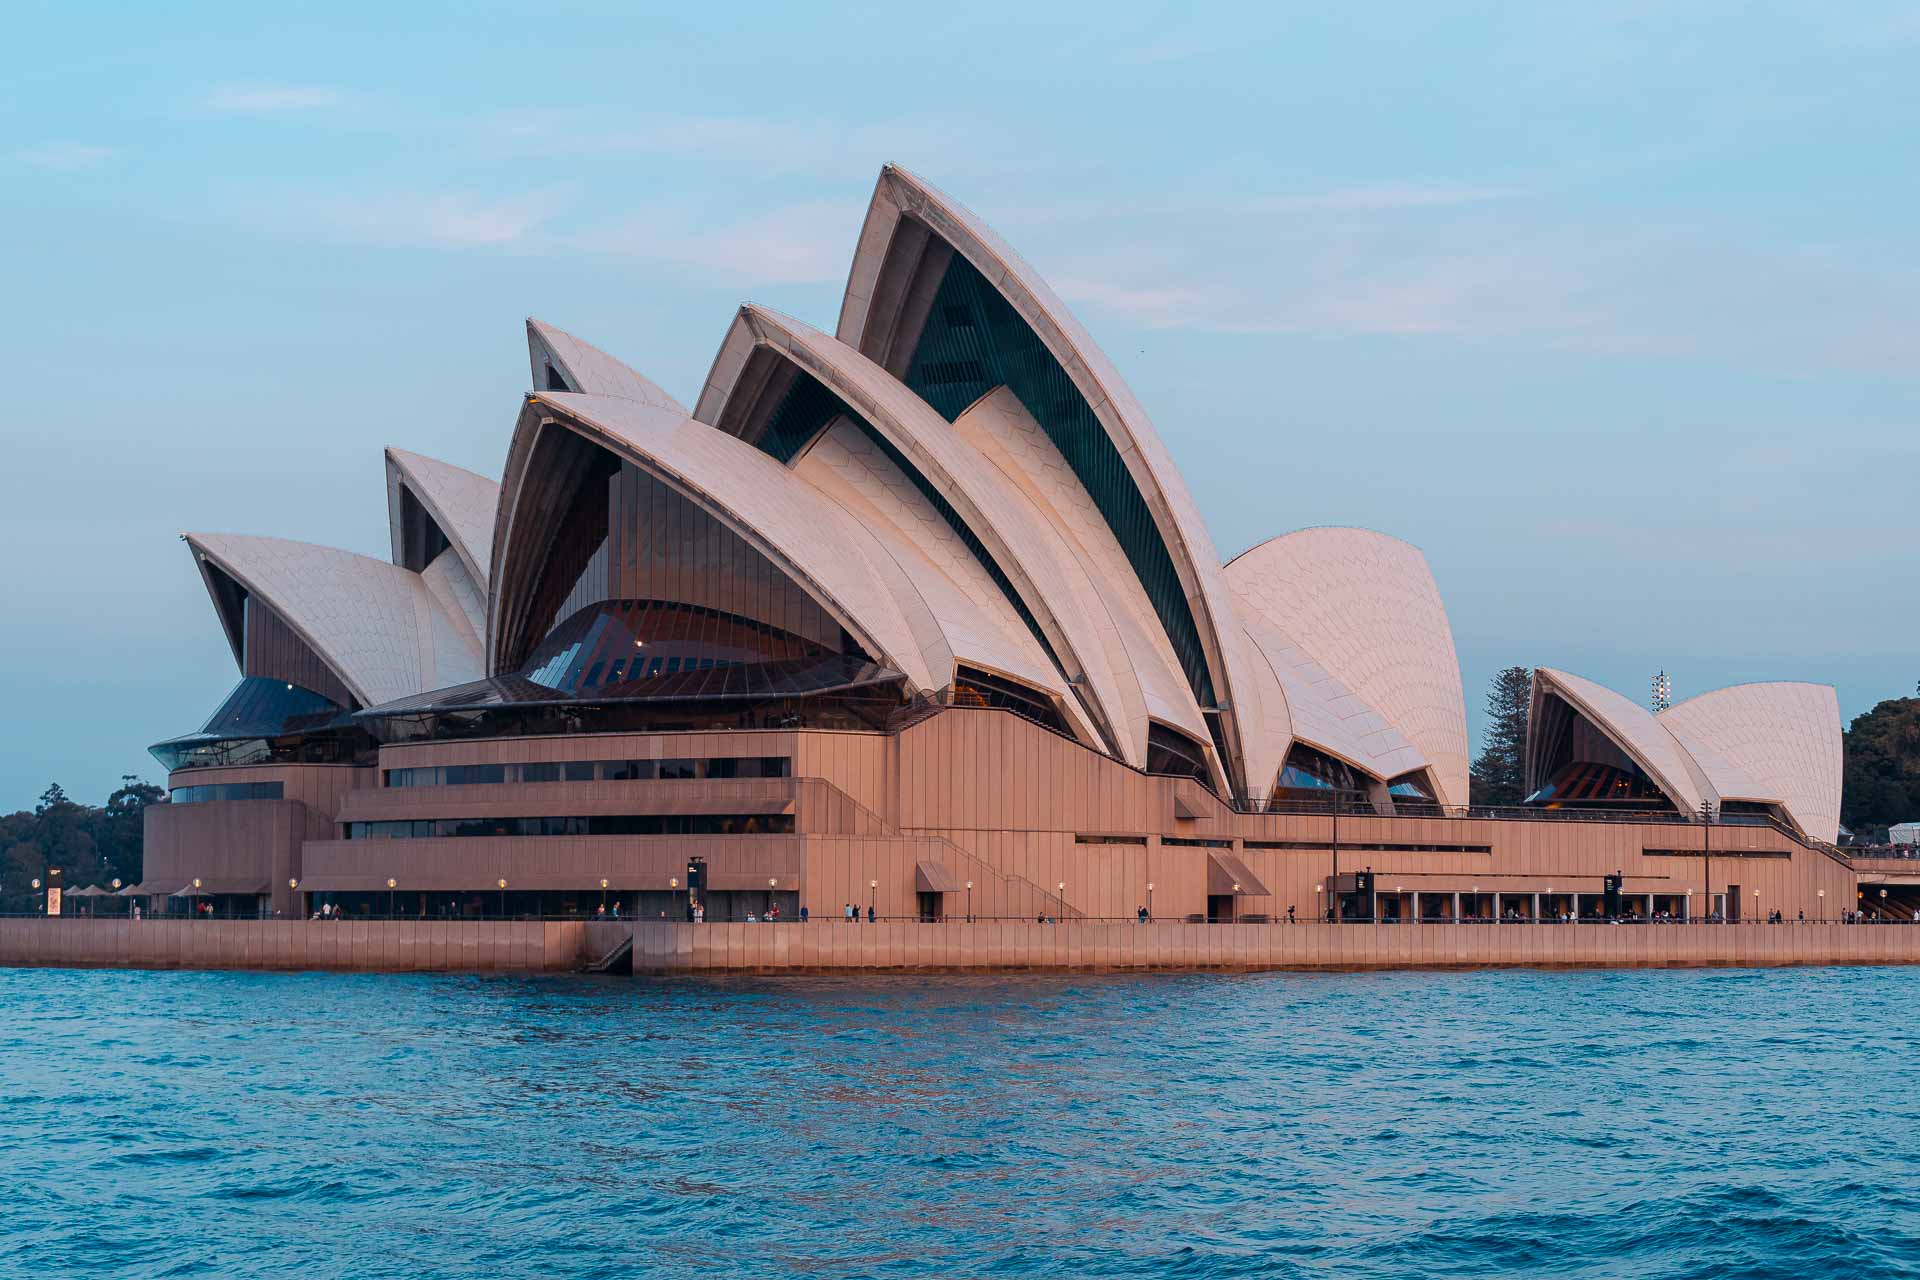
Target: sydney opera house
point(918, 616)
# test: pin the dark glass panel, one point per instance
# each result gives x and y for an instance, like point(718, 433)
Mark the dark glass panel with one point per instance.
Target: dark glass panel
point(975, 688)
point(1174, 754)
point(970, 328)
point(802, 414)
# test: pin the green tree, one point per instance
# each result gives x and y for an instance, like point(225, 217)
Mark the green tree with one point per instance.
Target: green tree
point(1882, 771)
point(90, 844)
point(1500, 773)
point(119, 827)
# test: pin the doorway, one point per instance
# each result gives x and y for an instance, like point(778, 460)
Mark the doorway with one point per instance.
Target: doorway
point(1733, 904)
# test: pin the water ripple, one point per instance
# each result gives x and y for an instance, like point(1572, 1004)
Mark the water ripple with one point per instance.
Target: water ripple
point(1699, 1124)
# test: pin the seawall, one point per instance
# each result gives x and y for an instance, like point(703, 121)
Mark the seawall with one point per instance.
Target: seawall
point(1009, 946)
point(484, 946)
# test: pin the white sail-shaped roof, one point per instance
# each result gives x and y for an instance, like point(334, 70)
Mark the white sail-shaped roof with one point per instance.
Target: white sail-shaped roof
point(1780, 743)
point(911, 230)
point(1633, 729)
point(377, 626)
point(1049, 582)
point(808, 537)
point(999, 427)
point(976, 624)
point(1322, 712)
point(586, 369)
point(461, 503)
point(1364, 607)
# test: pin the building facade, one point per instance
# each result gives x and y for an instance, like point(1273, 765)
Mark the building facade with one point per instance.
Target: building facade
point(917, 618)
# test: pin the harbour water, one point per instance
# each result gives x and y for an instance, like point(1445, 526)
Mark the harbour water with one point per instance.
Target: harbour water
point(1673, 1123)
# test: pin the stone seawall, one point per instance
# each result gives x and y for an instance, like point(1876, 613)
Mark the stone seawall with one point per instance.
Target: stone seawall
point(1118, 946)
point(512, 946)
point(837, 946)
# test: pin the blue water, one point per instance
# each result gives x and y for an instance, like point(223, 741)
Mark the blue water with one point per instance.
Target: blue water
point(1668, 1123)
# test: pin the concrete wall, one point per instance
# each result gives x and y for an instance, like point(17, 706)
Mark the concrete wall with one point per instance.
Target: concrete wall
point(1107, 946)
point(453, 946)
point(826, 946)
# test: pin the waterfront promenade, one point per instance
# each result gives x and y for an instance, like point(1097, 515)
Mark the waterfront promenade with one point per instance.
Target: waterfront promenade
point(658, 947)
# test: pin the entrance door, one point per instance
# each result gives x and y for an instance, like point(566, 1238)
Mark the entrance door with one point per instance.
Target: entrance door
point(1733, 904)
point(929, 907)
point(1219, 908)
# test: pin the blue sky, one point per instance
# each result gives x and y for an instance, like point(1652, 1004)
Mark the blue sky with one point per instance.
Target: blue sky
point(1614, 310)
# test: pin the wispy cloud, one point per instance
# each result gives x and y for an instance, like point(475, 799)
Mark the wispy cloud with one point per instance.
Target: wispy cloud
point(1375, 198)
point(802, 243)
point(63, 157)
point(762, 145)
point(271, 99)
point(443, 220)
point(1482, 269)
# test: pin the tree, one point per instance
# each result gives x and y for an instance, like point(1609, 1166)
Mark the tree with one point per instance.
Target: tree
point(1882, 772)
point(89, 844)
point(121, 825)
point(1500, 773)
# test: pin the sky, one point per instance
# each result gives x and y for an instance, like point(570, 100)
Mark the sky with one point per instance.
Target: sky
point(1613, 310)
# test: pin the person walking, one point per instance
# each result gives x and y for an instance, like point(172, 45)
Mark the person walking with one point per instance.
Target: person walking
point(803, 913)
point(870, 916)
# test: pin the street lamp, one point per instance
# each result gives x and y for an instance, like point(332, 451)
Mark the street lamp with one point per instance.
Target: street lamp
point(1149, 899)
point(873, 891)
point(772, 884)
point(196, 892)
point(1318, 890)
point(969, 902)
point(1823, 903)
point(673, 889)
point(36, 889)
point(390, 885)
point(603, 895)
point(1061, 889)
point(503, 898)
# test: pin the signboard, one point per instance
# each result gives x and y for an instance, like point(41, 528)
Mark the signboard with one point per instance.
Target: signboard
point(53, 900)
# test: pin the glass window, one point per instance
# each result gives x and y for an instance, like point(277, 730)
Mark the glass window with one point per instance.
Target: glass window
point(679, 769)
point(539, 773)
point(579, 771)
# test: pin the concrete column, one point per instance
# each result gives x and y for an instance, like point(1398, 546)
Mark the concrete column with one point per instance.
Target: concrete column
point(1456, 908)
point(1536, 909)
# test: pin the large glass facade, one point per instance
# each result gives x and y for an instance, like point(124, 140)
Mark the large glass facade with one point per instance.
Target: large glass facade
point(624, 644)
point(264, 720)
point(1572, 764)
